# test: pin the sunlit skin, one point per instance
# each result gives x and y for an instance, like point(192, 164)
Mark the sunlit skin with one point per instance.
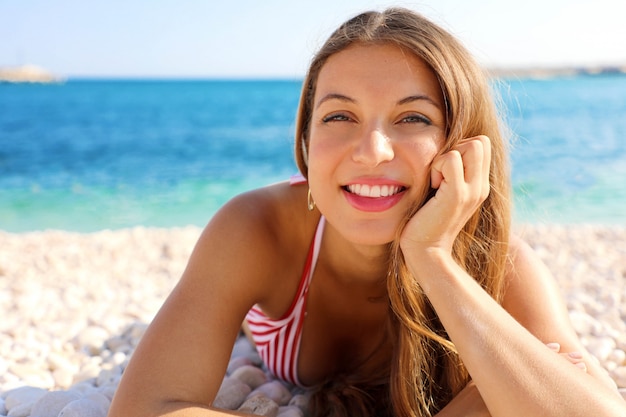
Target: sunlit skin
point(377, 124)
point(375, 148)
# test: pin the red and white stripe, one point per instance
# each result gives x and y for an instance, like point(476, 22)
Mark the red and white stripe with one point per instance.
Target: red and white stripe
point(278, 341)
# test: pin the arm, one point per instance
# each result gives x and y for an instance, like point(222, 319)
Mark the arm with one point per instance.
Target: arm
point(180, 362)
point(511, 367)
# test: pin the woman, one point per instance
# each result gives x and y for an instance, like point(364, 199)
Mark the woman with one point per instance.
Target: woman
point(387, 281)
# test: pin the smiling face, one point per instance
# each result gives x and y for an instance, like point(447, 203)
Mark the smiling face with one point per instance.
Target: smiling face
point(377, 123)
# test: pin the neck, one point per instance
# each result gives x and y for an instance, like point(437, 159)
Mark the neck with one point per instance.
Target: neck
point(353, 264)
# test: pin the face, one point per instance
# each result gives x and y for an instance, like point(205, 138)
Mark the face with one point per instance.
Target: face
point(377, 123)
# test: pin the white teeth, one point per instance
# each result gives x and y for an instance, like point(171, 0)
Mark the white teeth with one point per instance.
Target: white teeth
point(374, 191)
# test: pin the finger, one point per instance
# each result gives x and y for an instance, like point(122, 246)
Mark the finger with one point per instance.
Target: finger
point(486, 164)
point(476, 152)
point(448, 169)
point(555, 347)
point(576, 358)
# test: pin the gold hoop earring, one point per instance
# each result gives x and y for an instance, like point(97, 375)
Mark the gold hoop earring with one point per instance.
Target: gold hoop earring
point(309, 201)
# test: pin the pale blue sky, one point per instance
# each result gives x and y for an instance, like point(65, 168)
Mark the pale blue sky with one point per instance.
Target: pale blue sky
point(275, 38)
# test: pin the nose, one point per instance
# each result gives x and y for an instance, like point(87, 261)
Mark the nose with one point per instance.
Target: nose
point(373, 148)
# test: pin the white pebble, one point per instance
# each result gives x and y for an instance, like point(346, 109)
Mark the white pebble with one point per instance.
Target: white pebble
point(100, 399)
point(275, 391)
point(618, 357)
point(242, 347)
point(260, 405)
point(237, 362)
point(23, 395)
point(619, 376)
point(601, 348)
point(91, 339)
point(231, 394)
point(301, 401)
point(290, 411)
point(51, 404)
point(250, 375)
point(22, 410)
point(83, 408)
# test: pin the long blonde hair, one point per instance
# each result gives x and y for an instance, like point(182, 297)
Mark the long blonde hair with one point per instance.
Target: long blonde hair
point(426, 370)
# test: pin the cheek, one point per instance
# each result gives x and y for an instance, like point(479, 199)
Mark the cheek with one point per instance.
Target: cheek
point(323, 152)
point(424, 152)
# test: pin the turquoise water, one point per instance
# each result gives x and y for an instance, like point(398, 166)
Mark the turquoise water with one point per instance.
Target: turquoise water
point(90, 155)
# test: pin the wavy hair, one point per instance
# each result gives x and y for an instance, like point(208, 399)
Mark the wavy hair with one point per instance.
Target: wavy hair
point(425, 372)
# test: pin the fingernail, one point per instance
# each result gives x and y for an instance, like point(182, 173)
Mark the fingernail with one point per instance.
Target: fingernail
point(575, 355)
point(581, 365)
point(554, 346)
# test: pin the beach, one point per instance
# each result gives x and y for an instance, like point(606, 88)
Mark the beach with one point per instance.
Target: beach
point(76, 304)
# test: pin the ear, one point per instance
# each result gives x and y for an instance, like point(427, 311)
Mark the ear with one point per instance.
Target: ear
point(305, 152)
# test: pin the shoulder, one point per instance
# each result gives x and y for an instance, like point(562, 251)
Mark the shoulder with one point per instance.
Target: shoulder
point(277, 212)
point(250, 241)
point(532, 295)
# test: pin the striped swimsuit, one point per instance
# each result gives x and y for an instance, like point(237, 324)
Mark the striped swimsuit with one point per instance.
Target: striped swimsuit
point(278, 341)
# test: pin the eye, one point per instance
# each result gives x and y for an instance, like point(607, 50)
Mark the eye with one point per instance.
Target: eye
point(416, 118)
point(336, 117)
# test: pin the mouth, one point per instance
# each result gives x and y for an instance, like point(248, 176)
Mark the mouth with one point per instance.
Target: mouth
point(374, 191)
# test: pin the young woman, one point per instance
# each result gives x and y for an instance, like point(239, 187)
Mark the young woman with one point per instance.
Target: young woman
point(387, 282)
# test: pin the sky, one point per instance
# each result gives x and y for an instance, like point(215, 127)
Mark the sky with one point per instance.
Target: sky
point(276, 38)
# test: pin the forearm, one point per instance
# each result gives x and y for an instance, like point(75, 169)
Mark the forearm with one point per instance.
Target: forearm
point(191, 410)
point(514, 371)
point(176, 409)
point(467, 403)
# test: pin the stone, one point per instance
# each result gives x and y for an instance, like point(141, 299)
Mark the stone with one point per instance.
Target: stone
point(23, 395)
point(51, 404)
point(83, 408)
point(242, 347)
point(22, 410)
point(259, 405)
point(250, 375)
point(237, 362)
point(100, 399)
point(231, 394)
point(301, 401)
point(601, 348)
point(275, 391)
point(92, 339)
point(290, 411)
point(108, 392)
point(619, 376)
point(618, 357)
point(63, 378)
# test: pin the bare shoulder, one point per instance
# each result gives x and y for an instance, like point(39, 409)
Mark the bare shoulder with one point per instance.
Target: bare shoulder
point(249, 239)
point(236, 263)
point(534, 298)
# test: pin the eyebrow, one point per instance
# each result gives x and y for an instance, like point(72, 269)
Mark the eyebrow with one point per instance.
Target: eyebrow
point(406, 100)
point(419, 97)
point(334, 96)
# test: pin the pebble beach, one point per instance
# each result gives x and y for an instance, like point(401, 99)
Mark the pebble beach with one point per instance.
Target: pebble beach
point(74, 306)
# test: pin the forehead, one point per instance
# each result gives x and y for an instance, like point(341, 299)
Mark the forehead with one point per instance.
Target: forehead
point(377, 69)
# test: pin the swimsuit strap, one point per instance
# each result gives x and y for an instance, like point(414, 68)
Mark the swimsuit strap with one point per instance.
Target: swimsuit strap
point(278, 341)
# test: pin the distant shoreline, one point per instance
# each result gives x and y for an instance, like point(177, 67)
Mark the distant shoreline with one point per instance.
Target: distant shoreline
point(36, 74)
point(551, 72)
point(27, 74)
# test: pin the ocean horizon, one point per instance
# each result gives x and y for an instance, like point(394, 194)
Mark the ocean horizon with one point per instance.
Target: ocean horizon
point(92, 154)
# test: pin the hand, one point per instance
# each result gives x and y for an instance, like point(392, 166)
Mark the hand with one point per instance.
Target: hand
point(461, 178)
point(575, 358)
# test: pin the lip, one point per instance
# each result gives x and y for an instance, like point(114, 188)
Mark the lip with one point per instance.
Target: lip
point(374, 204)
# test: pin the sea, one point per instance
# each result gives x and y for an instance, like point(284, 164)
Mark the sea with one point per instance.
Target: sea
point(86, 155)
